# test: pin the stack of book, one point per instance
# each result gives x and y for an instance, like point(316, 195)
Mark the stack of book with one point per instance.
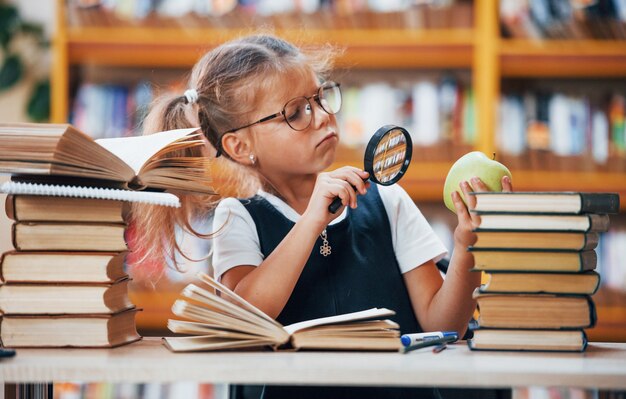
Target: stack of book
point(65, 284)
point(538, 254)
point(66, 275)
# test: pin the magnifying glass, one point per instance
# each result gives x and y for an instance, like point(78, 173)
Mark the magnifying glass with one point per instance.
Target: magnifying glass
point(387, 157)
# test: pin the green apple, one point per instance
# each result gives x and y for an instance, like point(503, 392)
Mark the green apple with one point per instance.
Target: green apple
point(473, 164)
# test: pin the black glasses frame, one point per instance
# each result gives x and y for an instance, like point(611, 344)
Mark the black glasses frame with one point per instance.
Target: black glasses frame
point(315, 97)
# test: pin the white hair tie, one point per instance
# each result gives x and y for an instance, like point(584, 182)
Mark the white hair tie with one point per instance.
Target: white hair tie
point(191, 95)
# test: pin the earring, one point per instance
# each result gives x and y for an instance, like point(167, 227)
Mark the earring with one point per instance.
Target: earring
point(252, 159)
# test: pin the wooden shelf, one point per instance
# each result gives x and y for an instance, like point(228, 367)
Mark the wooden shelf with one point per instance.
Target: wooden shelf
point(424, 180)
point(179, 47)
point(562, 58)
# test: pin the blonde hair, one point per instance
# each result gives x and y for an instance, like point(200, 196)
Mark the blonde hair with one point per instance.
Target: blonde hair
point(229, 81)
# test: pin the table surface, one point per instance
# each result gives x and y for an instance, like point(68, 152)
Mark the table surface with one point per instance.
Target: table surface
point(603, 365)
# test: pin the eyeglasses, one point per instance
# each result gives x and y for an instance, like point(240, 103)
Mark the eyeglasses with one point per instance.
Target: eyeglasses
point(298, 112)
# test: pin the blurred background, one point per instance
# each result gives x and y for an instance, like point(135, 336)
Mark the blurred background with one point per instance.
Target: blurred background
point(539, 83)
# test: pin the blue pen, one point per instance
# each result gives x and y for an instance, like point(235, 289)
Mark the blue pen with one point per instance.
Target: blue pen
point(412, 339)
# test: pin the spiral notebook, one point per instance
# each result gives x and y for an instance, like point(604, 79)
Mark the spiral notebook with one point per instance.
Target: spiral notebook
point(146, 197)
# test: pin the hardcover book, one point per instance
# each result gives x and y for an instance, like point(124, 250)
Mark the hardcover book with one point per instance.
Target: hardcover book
point(533, 222)
point(546, 202)
point(58, 236)
point(56, 299)
point(227, 321)
point(586, 283)
point(535, 240)
point(72, 331)
point(151, 161)
point(528, 340)
point(62, 267)
point(535, 311)
point(35, 208)
point(534, 261)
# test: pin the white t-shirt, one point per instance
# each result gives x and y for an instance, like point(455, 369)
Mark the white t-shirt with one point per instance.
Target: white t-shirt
point(237, 243)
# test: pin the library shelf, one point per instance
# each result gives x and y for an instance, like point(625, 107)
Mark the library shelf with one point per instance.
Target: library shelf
point(479, 49)
point(177, 47)
point(562, 58)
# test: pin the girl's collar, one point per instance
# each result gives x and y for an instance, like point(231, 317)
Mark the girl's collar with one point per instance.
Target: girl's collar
point(288, 211)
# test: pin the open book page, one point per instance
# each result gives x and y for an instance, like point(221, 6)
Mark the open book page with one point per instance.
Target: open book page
point(136, 151)
point(225, 291)
point(210, 330)
point(227, 315)
point(362, 315)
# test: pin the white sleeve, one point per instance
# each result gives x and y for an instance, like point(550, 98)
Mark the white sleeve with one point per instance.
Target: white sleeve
point(414, 240)
point(236, 242)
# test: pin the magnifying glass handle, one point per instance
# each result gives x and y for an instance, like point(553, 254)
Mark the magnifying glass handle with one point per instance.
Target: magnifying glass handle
point(335, 205)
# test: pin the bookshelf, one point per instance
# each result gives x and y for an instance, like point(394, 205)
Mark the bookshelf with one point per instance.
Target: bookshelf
point(479, 49)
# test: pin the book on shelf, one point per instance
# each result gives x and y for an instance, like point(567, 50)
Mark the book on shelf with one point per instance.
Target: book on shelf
point(533, 222)
point(535, 311)
point(227, 321)
point(76, 298)
point(62, 267)
point(81, 330)
point(60, 236)
point(534, 261)
point(151, 161)
point(535, 240)
point(35, 208)
point(546, 202)
point(586, 283)
point(528, 340)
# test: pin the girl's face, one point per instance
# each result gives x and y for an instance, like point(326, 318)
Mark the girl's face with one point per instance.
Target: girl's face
point(283, 151)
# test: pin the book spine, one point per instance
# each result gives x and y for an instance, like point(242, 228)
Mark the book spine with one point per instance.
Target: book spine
point(588, 260)
point(593, 315)
point(14, 238)
point(591, 241)
point(598, 281)
point(9, 207)
point(116, 263)
point(598, 223)
point(2, 256)
point(599, 203)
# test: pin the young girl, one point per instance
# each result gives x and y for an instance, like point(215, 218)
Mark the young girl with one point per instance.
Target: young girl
point(268, 110)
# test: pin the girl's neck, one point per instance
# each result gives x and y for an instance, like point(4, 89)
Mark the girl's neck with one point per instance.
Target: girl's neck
point(294, 192)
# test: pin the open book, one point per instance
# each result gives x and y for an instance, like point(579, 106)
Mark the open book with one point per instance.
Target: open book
point(136, 163)
point(227, 321)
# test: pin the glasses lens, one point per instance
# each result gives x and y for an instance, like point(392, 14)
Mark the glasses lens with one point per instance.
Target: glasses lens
point(330, 97)
point(298, 113)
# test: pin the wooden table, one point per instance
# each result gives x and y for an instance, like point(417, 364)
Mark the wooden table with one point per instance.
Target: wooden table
point(602, 366)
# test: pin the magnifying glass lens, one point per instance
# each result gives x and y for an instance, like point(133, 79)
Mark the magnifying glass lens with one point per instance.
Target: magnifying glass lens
point(389, 156)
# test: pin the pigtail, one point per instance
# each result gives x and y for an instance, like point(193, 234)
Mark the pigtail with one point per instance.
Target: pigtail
point(154, 227)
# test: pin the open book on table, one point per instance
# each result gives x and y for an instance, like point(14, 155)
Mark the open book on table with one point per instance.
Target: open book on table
point(227, 321)
point(152, 161)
